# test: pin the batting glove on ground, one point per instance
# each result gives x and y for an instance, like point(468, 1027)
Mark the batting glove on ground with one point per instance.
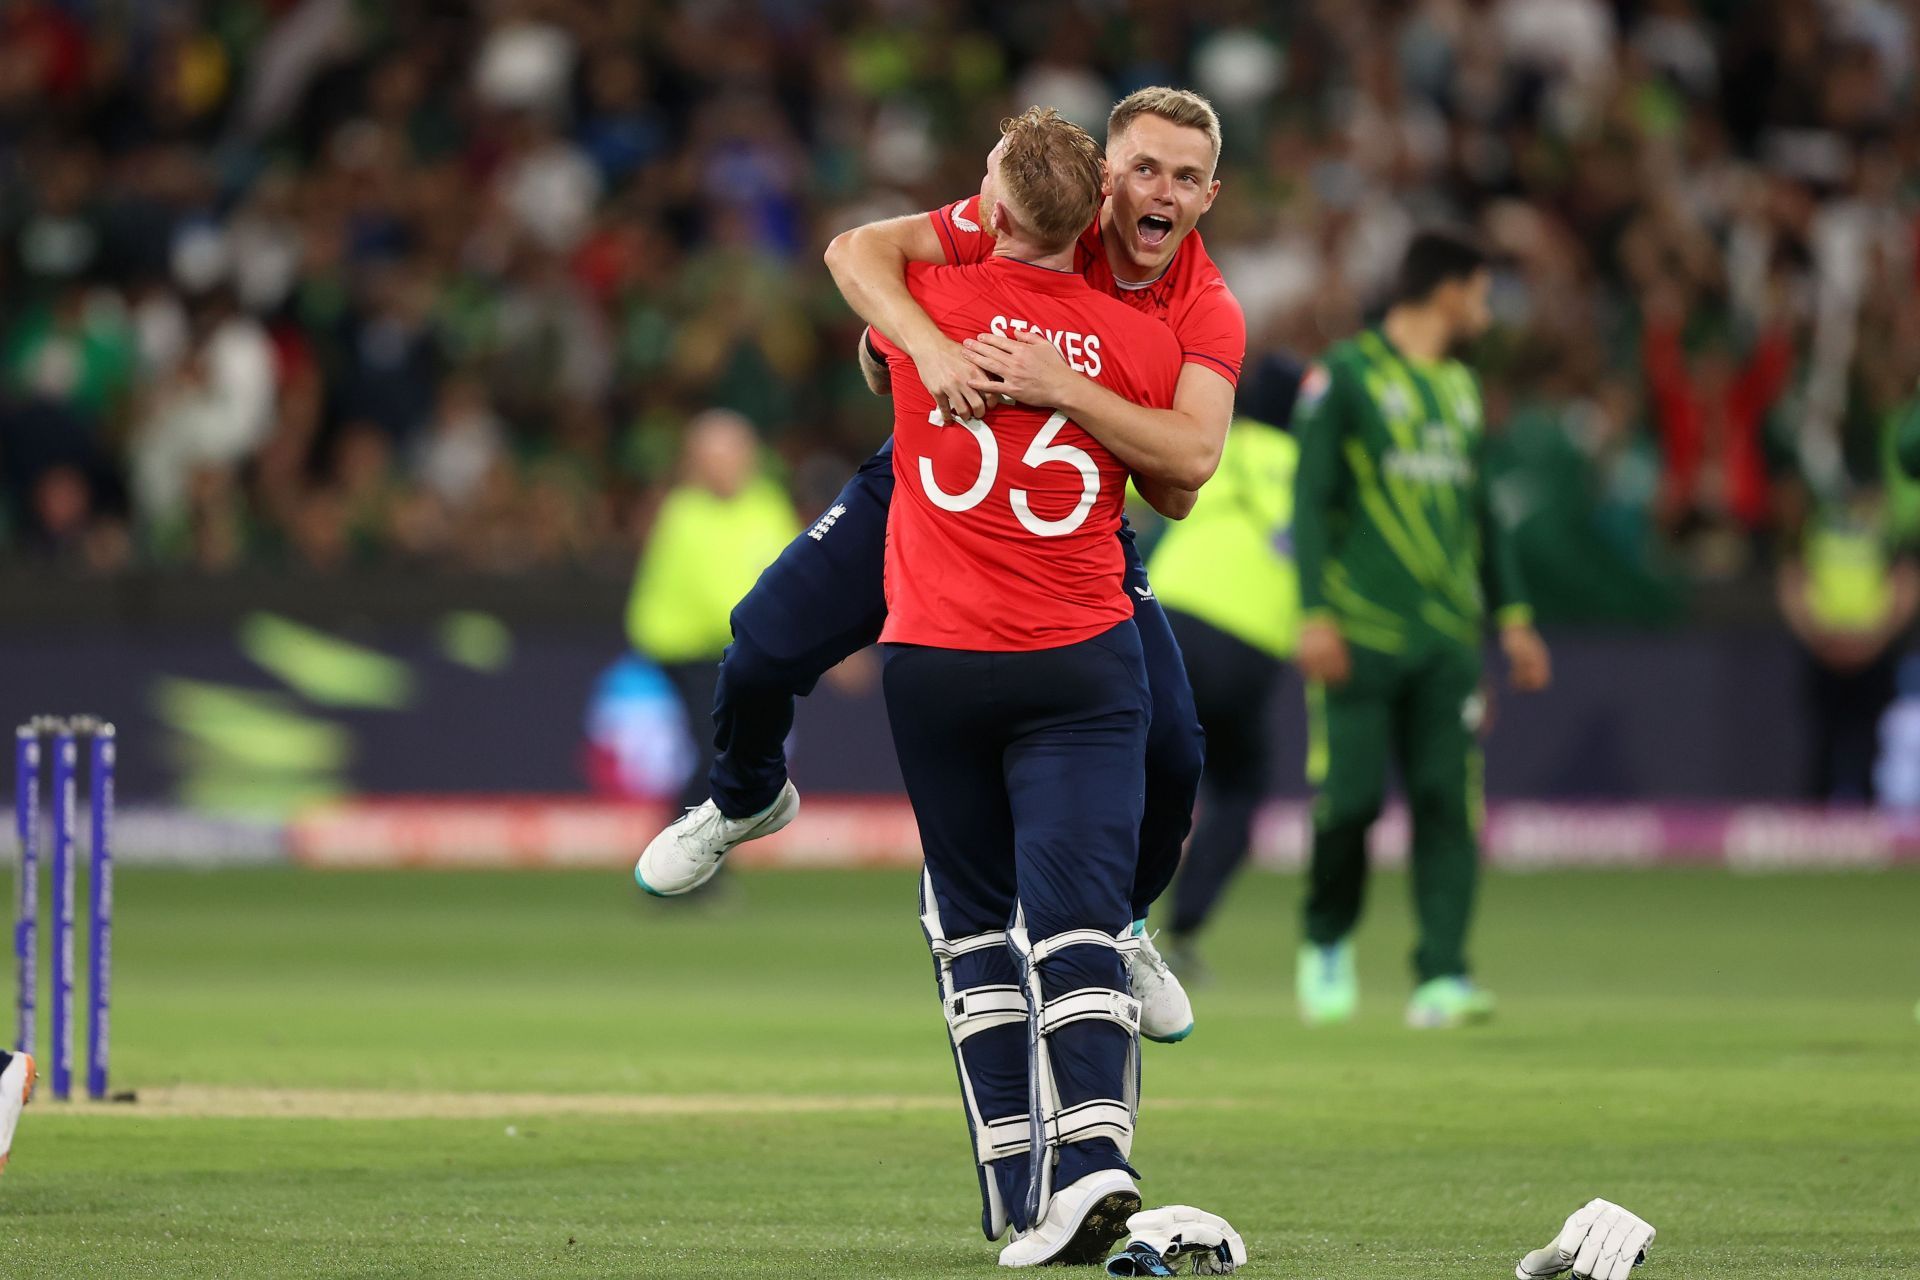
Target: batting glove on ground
point(1163, 1242)
point(1601, 1241)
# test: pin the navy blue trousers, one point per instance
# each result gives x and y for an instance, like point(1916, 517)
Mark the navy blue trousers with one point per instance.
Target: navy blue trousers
point(1027, 773)
point(824, 598)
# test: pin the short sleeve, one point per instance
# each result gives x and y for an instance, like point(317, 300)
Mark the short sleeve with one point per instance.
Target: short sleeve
point(962, 237)
point(1213, 332)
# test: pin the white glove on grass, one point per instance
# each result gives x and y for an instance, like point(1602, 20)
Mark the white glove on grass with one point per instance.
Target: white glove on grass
point(1161, 1241)
point(1601, 1241)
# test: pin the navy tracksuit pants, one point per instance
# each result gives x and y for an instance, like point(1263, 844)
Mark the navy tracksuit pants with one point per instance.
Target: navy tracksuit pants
point(824, 598)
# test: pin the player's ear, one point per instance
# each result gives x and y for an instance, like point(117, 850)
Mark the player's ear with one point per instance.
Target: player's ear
point(999, 219)
point(1213, 190)
point(1106, 179)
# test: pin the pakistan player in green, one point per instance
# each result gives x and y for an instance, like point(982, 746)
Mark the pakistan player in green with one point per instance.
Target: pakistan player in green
point(1401, 561)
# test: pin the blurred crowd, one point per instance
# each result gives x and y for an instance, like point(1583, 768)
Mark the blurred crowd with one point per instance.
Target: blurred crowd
point(317, 283)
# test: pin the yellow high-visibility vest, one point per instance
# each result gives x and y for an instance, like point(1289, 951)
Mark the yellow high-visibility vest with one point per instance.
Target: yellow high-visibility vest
point(1230, 562)
point(704, 553)
point(1847, 580)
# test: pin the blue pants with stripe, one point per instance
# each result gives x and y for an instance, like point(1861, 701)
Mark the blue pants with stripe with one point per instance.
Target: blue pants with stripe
point(824, 598)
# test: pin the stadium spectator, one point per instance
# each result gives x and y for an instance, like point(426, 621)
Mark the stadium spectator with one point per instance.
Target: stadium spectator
point(605, 218)
point(1711, 408)
point(209, 407)
point(1848, 601)
point(717, 529)
point(66, 376)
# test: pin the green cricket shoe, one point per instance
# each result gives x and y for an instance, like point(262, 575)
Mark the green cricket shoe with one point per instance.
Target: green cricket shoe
point(1325, 983)
point(1448, 1002)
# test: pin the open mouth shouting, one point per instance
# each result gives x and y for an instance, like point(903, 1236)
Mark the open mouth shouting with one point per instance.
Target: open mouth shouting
point(1154, 230)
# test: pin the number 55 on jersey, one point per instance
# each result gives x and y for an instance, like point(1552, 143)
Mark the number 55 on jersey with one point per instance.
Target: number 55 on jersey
point(1004, 527)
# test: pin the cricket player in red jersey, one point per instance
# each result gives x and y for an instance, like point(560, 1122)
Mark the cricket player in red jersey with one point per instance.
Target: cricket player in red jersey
point(1018, 698)
point(822, 599)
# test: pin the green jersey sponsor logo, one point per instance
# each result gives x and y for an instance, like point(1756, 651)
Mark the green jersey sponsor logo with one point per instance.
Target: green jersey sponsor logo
point(1440, 459)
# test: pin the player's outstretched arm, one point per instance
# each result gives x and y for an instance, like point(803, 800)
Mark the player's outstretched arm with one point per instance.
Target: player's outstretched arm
point(869, 266)
point(1178, 446)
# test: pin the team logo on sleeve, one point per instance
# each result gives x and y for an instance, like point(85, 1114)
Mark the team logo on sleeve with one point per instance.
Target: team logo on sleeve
point(824, 525)
point(1314, 387)
point(960, 219)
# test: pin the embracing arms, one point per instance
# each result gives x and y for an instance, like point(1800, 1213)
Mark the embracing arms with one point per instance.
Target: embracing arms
point(869, 265)
point(1172, 452)
point(1178, 447)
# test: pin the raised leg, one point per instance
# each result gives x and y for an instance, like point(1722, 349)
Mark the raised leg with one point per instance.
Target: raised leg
point(822, 599)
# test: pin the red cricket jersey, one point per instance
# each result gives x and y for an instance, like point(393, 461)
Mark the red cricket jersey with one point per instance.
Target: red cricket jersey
point(1190, 297)
point(1001, 534)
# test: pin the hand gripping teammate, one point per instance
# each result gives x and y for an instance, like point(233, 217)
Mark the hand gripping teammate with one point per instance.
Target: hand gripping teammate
point(821, 600)
point(1018, 697)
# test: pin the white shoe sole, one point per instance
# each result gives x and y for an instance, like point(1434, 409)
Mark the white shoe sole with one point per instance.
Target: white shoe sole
point(1101, 1226)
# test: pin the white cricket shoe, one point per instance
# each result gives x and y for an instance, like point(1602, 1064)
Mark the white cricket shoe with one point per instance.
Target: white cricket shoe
point(1081, 1225)
point(1166, 1014)
point(687, 854)
point(16, 1086)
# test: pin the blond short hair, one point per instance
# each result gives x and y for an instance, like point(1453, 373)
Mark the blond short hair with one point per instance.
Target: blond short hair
point(1050, 172)
point(1183, 107)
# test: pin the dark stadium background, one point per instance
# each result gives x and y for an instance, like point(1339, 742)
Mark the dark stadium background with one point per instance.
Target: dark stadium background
point(484, 261)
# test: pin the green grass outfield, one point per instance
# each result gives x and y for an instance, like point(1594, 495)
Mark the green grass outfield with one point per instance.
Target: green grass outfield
point(543, 1074)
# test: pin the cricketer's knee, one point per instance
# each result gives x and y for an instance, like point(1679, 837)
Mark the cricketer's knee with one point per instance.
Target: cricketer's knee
point(1084, 1037)
point(1442, 815)
point(750, 670)
point(984, 1002)
point(1337, 870)
point(752, 716)
point(1340, 809)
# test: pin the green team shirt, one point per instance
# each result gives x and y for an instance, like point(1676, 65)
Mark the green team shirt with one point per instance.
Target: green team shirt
point(1391, 519)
